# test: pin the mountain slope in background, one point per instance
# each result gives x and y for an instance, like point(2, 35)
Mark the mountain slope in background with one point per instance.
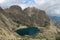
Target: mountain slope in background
point(55, 18)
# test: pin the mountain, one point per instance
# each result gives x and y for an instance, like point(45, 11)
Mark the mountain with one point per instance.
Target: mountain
point(37, 17)
point(29, 16)
point(14, 18)
point(56, 19)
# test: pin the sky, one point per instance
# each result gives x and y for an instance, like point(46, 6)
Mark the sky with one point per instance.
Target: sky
point(51, 7)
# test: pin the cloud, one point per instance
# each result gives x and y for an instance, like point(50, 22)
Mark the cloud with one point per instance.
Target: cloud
point(57, 11)
point(54, 10)
point(22, 3)
point(39, 2)
point(26, 3)
point(47, 5)
point(2, 1)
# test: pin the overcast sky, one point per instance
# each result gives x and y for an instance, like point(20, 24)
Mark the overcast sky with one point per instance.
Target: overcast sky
point(50, 6)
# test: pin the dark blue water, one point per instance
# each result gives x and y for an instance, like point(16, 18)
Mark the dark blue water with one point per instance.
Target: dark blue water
point(28, 31)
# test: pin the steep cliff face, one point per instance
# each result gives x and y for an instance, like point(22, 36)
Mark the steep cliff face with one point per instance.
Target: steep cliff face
point(6, 32)
point(8, 22)
point(14, 12)
point(29, 16)
point(37, 17)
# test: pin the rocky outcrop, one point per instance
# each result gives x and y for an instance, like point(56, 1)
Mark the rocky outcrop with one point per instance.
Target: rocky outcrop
point(29, 16)
point(38, 17)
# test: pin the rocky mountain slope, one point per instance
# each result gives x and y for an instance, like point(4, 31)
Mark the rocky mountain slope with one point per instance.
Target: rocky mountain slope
point(5, 24)
point(14, 18)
